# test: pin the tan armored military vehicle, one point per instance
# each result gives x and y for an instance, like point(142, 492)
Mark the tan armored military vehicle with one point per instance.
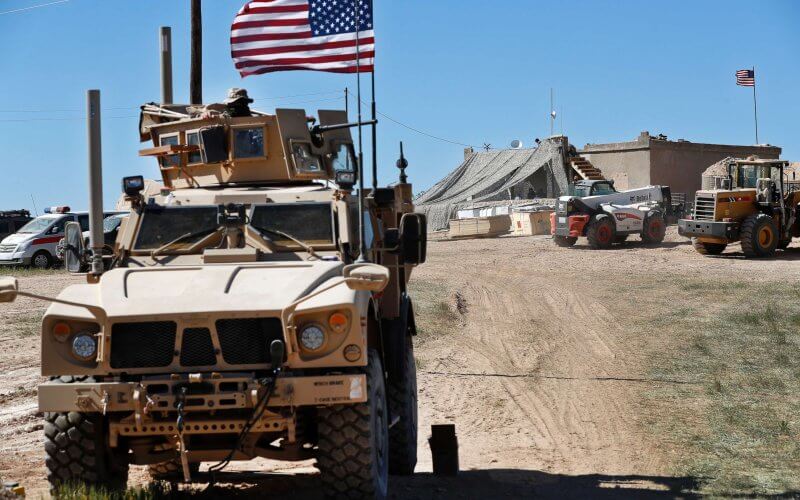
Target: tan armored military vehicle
point(236, 318)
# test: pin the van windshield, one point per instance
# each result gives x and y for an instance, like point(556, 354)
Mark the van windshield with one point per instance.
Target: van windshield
point(37, 225)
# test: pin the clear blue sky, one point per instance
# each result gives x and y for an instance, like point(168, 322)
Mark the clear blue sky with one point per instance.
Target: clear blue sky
point(469, 70)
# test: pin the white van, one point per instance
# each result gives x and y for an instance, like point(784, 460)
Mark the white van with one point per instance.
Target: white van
point(35, 243)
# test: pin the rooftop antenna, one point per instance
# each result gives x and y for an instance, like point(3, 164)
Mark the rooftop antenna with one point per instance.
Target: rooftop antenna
point(402, 164)
point(35, 210)
point(362, 243)
point(552, 112)
point(487, 146)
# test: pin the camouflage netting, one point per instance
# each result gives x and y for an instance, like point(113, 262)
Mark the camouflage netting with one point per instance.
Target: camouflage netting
point(494, 176)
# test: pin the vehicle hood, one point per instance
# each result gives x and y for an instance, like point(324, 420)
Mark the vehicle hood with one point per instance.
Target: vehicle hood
point(168, 291)
point(17, 238)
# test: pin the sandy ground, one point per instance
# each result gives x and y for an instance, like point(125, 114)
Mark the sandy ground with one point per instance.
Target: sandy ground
point(543, 377)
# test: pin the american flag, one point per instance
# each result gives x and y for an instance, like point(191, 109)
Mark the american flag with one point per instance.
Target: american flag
point(317, 35)
point(746, 77)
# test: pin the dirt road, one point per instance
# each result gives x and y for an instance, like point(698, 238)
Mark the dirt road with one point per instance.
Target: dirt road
point(533, 351)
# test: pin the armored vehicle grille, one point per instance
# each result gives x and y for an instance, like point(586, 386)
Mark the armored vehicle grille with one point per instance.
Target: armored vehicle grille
point(143, 345)
point(704, 207)
point(246, 341)
point(197, 349)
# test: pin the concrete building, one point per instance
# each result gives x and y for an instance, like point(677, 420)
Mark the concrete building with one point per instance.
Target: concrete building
point(657, 160)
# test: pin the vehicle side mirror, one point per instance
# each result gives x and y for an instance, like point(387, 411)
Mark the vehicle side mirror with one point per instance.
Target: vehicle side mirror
point(8, 289)
point(366, 277)
point(73, 247)
point(413, 238)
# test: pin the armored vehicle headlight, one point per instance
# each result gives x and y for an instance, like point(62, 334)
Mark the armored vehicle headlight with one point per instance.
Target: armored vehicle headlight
point(84, 346)
point(312, 337)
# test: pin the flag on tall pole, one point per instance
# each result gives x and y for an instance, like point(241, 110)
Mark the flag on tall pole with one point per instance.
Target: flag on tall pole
point(747, 78)
point(317, 35)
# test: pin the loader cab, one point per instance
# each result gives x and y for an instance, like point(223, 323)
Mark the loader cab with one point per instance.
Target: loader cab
point(765, 176)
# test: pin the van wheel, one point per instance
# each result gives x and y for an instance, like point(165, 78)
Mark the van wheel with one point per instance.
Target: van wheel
point(654, 228)
point(42, 260)
point(77, 449)
point(353, 450)
point(704, 248)
point(402, 396)
point(759, 236)
point(564, 241)
point(600, 232)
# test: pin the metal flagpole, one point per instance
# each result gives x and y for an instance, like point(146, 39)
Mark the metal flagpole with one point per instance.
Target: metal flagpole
point(361, 237)
point(374, 136)
point(755, 105)
point(347, 113)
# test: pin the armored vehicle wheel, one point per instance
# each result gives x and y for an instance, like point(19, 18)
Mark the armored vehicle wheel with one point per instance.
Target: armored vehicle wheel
point(620, 238)
point(354, 442)
point(77, 449)
point(654, 228)
point(759, 236)
point(564, 241)
point(600, 232)
point(42, 260)
point(171, 471)
point(704, 248)
point(402, 396)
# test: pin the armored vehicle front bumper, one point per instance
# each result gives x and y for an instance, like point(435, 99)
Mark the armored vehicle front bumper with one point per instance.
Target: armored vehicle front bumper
point(218, 403)
point(708, 229)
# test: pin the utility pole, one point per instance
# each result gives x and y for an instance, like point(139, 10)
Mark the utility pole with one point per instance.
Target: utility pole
point(166, 64)
point(196, 75)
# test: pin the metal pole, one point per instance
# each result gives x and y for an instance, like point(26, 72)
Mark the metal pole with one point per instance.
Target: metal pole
point(347, 113)
point(361, 237)
point(196, 76)
point(166, 64)
point(374, 137)
point(755, 105)
point(95, 181)
point(551, 112)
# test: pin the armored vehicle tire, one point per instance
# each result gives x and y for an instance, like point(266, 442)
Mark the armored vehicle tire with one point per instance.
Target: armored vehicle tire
point(759, 236)
point(171, 471)
point(42, 260)
point(600, 232)
point(704, 248)
point(77, 449)
point(353, 450)
point(402, 396)
point(620, 238)
point(654, 228)
point(564, 241)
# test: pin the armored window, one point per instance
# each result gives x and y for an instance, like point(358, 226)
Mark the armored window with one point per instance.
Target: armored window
point(248, 142)
point(305, 162)
point(344, 157)
point(171, 160)
point(161, 225)
point(311, 223)
point(193, 139)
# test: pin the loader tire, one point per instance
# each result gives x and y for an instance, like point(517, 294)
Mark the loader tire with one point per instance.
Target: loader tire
point(171, 471)
point(759, 236)
point(600, 232)
point(564, 241)
point(402, 398)
point(77, 449)
point(704, 248)
point(353, 450)
point(654, 228)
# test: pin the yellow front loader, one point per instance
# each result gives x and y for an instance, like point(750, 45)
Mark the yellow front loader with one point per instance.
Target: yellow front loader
point(753, 205)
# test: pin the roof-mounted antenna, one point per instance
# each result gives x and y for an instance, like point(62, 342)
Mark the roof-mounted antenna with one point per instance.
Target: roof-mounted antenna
point(402, 164)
